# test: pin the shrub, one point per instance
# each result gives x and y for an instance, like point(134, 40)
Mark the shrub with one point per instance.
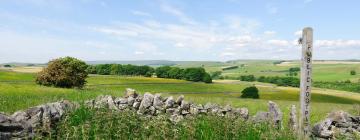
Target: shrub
point(207, 78)
point(352, 72)
point(64, 72)
point(249, 78)
point(163, 71)
point(194, 74)
point(250, 92)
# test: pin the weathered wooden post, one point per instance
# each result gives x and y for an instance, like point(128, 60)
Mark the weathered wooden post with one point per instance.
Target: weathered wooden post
point(305, 83)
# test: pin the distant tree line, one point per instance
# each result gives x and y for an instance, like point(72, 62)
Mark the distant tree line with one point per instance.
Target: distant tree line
point(189, 74)
point(118, 69)
point(280, 81)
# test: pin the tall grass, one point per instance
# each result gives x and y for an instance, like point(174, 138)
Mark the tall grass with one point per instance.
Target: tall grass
point(87, 123)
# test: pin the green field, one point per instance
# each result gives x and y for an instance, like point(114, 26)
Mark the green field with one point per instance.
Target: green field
point(322, 70)
point(19, 91)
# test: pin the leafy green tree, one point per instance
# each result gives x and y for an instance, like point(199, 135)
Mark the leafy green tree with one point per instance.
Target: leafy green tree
point(194, 74)
point(176, 73)
point(249, 78)
point(91, 69)
point(353, 72)
point(207, 78)
point(64, 72)
point(103, 69)
point(250, 92)
point(163, 71)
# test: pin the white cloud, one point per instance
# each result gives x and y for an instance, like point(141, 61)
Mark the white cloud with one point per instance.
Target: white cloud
point(227, 54)
point(177, 12)
point(337, 43)
point(298, 33)
point(140, 13)
point(278, 42)
point(269, 32)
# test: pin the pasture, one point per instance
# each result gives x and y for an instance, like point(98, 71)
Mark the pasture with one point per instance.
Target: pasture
point(329, 71)
point(19, 91)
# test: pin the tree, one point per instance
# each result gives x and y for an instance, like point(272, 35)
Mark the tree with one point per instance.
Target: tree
point(176, 73)
point(207, 78)
point(163, 71)
point(103, 69)
point(91, 69)
point(194, 74)
point(64, 72)
point(215, 75)
point(353, 72)
point(249, 78)
point(250, 92)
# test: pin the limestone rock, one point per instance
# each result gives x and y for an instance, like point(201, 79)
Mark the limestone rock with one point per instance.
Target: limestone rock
point(184, 106)
point(275, 113)
point(179, 99)
point(146, 102)
point(292, 124)
point(158, 103)
point(323, 129)
point(130, 93)
point(169, 103)
point(105, 102)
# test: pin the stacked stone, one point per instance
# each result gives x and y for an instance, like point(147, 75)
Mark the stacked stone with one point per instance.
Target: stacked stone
point(23, 124)
point(338, 122)
point(153, 105)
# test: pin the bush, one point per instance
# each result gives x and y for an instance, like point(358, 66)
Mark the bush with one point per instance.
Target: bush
point(250, 92)
point(207, 78)
point(352, 72)
point(194, 74)
point(163, 71)
point(64, 72)
point(249, 78)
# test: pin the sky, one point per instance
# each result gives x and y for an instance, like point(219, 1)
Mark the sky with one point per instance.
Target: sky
point(218, 30)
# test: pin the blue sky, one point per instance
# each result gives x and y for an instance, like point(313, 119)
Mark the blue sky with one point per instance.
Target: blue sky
point(39, 30)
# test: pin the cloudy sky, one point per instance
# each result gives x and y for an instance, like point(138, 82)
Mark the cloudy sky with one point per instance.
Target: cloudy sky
point(39, 30)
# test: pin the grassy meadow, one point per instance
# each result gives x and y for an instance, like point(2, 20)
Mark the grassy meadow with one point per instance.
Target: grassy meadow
point(19, 91)
point(329, 71)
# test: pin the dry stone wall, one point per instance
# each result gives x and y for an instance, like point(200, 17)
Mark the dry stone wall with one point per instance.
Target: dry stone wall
point(24, 124)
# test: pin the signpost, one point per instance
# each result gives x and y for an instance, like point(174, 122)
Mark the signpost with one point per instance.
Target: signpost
point(305, 82)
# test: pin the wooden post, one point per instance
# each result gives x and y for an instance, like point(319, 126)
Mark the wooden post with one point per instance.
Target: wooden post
point(305, 83)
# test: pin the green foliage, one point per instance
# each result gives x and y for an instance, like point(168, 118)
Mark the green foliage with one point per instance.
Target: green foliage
point(163, 71)
point(118, 69)
point(176, 73)
point(346, 86)
point(189, 74)
point(249, 78)
point(91, 69)
point(104, 124)
point(63, 72)
point(215, 75)
point(194, 74)
point(280, 81)
point(207, 78)
point(250, 92)
point(103, 69)
point(7, 66)
point(353, 72)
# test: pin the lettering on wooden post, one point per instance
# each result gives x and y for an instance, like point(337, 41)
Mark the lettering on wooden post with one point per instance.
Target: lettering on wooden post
point(305, 82)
